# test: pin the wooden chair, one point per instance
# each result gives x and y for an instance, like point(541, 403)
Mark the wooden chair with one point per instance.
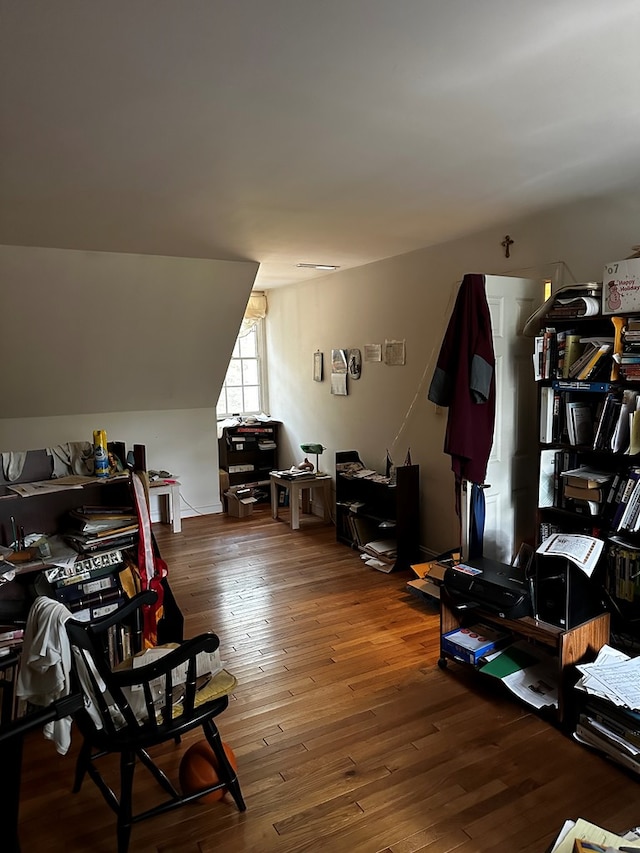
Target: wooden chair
point(140, 707)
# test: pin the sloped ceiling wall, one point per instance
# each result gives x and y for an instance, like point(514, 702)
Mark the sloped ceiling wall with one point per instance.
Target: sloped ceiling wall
point(86, 332)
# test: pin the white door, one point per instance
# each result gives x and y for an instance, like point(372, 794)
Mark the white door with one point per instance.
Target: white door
point(512, 472)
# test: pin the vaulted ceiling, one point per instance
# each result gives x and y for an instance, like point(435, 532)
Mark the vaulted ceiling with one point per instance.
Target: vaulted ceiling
point(307, 131)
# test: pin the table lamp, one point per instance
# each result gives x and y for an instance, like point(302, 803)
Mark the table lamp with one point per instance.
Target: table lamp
point(316, 449)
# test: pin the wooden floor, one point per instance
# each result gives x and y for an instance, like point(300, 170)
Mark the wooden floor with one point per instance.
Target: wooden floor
point(347, 734)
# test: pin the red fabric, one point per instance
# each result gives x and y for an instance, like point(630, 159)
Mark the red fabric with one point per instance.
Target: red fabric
point(468, 341)
point(151, 567)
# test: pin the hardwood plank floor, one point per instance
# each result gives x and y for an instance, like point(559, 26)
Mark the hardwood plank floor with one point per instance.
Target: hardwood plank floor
point(348, 736)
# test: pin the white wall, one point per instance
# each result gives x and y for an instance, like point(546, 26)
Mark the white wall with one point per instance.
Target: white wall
point(182, 441)
point(410, 297)
point(137, 345)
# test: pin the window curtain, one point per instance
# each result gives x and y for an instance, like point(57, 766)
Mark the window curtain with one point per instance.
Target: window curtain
point(256, 310)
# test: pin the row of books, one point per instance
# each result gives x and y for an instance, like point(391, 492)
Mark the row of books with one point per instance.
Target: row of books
point(581, 418)
point(10, 638)
point(630, 356)
point(611, 496)
point(626, 502)
point(612, 729)
point(560, 354)
point(623, 571)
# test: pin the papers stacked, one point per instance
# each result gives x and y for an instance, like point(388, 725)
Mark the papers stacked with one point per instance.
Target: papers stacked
point(527, 672)
point(586, 831)
point(380, 554)
point(613, 676)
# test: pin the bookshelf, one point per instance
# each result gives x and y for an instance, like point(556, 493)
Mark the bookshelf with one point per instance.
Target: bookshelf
point(608, 443)
point(370, 511)
point(248, 452)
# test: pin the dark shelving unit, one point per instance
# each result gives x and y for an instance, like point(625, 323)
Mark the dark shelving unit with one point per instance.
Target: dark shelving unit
point(367, 510)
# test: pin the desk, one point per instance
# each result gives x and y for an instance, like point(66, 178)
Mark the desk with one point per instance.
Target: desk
point(297, 490)
point(169, 494)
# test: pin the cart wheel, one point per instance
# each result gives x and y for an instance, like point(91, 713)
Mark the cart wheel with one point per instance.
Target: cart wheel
point(442, 663)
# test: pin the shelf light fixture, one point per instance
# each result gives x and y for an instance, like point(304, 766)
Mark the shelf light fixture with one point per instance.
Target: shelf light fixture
point(328, 267)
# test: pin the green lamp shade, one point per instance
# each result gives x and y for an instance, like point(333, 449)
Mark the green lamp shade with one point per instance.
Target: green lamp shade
point(311, 448)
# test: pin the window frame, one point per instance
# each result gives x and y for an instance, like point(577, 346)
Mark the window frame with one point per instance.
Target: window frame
point(261, 356)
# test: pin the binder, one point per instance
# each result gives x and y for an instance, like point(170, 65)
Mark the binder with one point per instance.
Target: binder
point(546, 415)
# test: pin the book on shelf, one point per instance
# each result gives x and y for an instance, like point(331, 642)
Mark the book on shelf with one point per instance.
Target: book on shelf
point(631, 508)
point(572, 351)
point(623, 569)
point(570, 307)
point(89, 545)
point(580, 363)
point(547, 415)
point(99, 522)
point(583, 494)
point(590, 371)
point(579, 422)
point(88, 511)
point(546, 481)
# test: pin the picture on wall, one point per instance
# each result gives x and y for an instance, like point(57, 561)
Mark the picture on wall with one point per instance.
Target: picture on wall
point(338, 361)
point(355, 363)
point(317, 366)
point(373, 352)
point(394, 352)
point(339, 384)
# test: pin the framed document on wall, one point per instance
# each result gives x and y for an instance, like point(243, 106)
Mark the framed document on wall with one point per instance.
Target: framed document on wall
point(317, 366)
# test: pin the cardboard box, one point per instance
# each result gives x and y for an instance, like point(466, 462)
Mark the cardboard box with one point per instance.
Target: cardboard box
point(621, 287)
point(472, 643)
point(424, 588)
point(238, 505)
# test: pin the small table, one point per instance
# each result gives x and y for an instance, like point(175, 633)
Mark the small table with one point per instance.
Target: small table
point(301, 488)
point(169, 494)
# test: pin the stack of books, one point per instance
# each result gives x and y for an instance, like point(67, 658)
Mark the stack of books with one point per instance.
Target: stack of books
point(91, 528)
point(587, 487)
point(10, 639)
point(579, 303)
point(383, 550)
point(630, 357)
point(595, 361)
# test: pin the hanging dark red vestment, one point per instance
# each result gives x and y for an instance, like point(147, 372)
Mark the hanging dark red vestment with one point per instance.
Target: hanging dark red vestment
point(464, 382)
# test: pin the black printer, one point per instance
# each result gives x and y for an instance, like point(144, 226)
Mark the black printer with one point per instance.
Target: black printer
point(492, 586)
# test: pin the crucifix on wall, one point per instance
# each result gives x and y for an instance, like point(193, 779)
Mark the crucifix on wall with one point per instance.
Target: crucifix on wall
point(507, 243)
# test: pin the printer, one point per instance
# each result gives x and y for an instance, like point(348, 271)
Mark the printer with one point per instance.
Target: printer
point(492, 586)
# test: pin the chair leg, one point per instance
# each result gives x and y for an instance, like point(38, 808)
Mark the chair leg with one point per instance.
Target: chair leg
point(157, 774)
point(82, 765)
point(127, 767)
point(227, 773)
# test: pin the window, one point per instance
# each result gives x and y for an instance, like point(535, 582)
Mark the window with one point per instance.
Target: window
point(244, 387)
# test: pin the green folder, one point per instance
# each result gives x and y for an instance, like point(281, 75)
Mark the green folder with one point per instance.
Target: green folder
point(511, 659)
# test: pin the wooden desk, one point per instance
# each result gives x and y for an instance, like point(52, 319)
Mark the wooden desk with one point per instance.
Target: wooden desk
point(301, 490)
point(169, 494)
